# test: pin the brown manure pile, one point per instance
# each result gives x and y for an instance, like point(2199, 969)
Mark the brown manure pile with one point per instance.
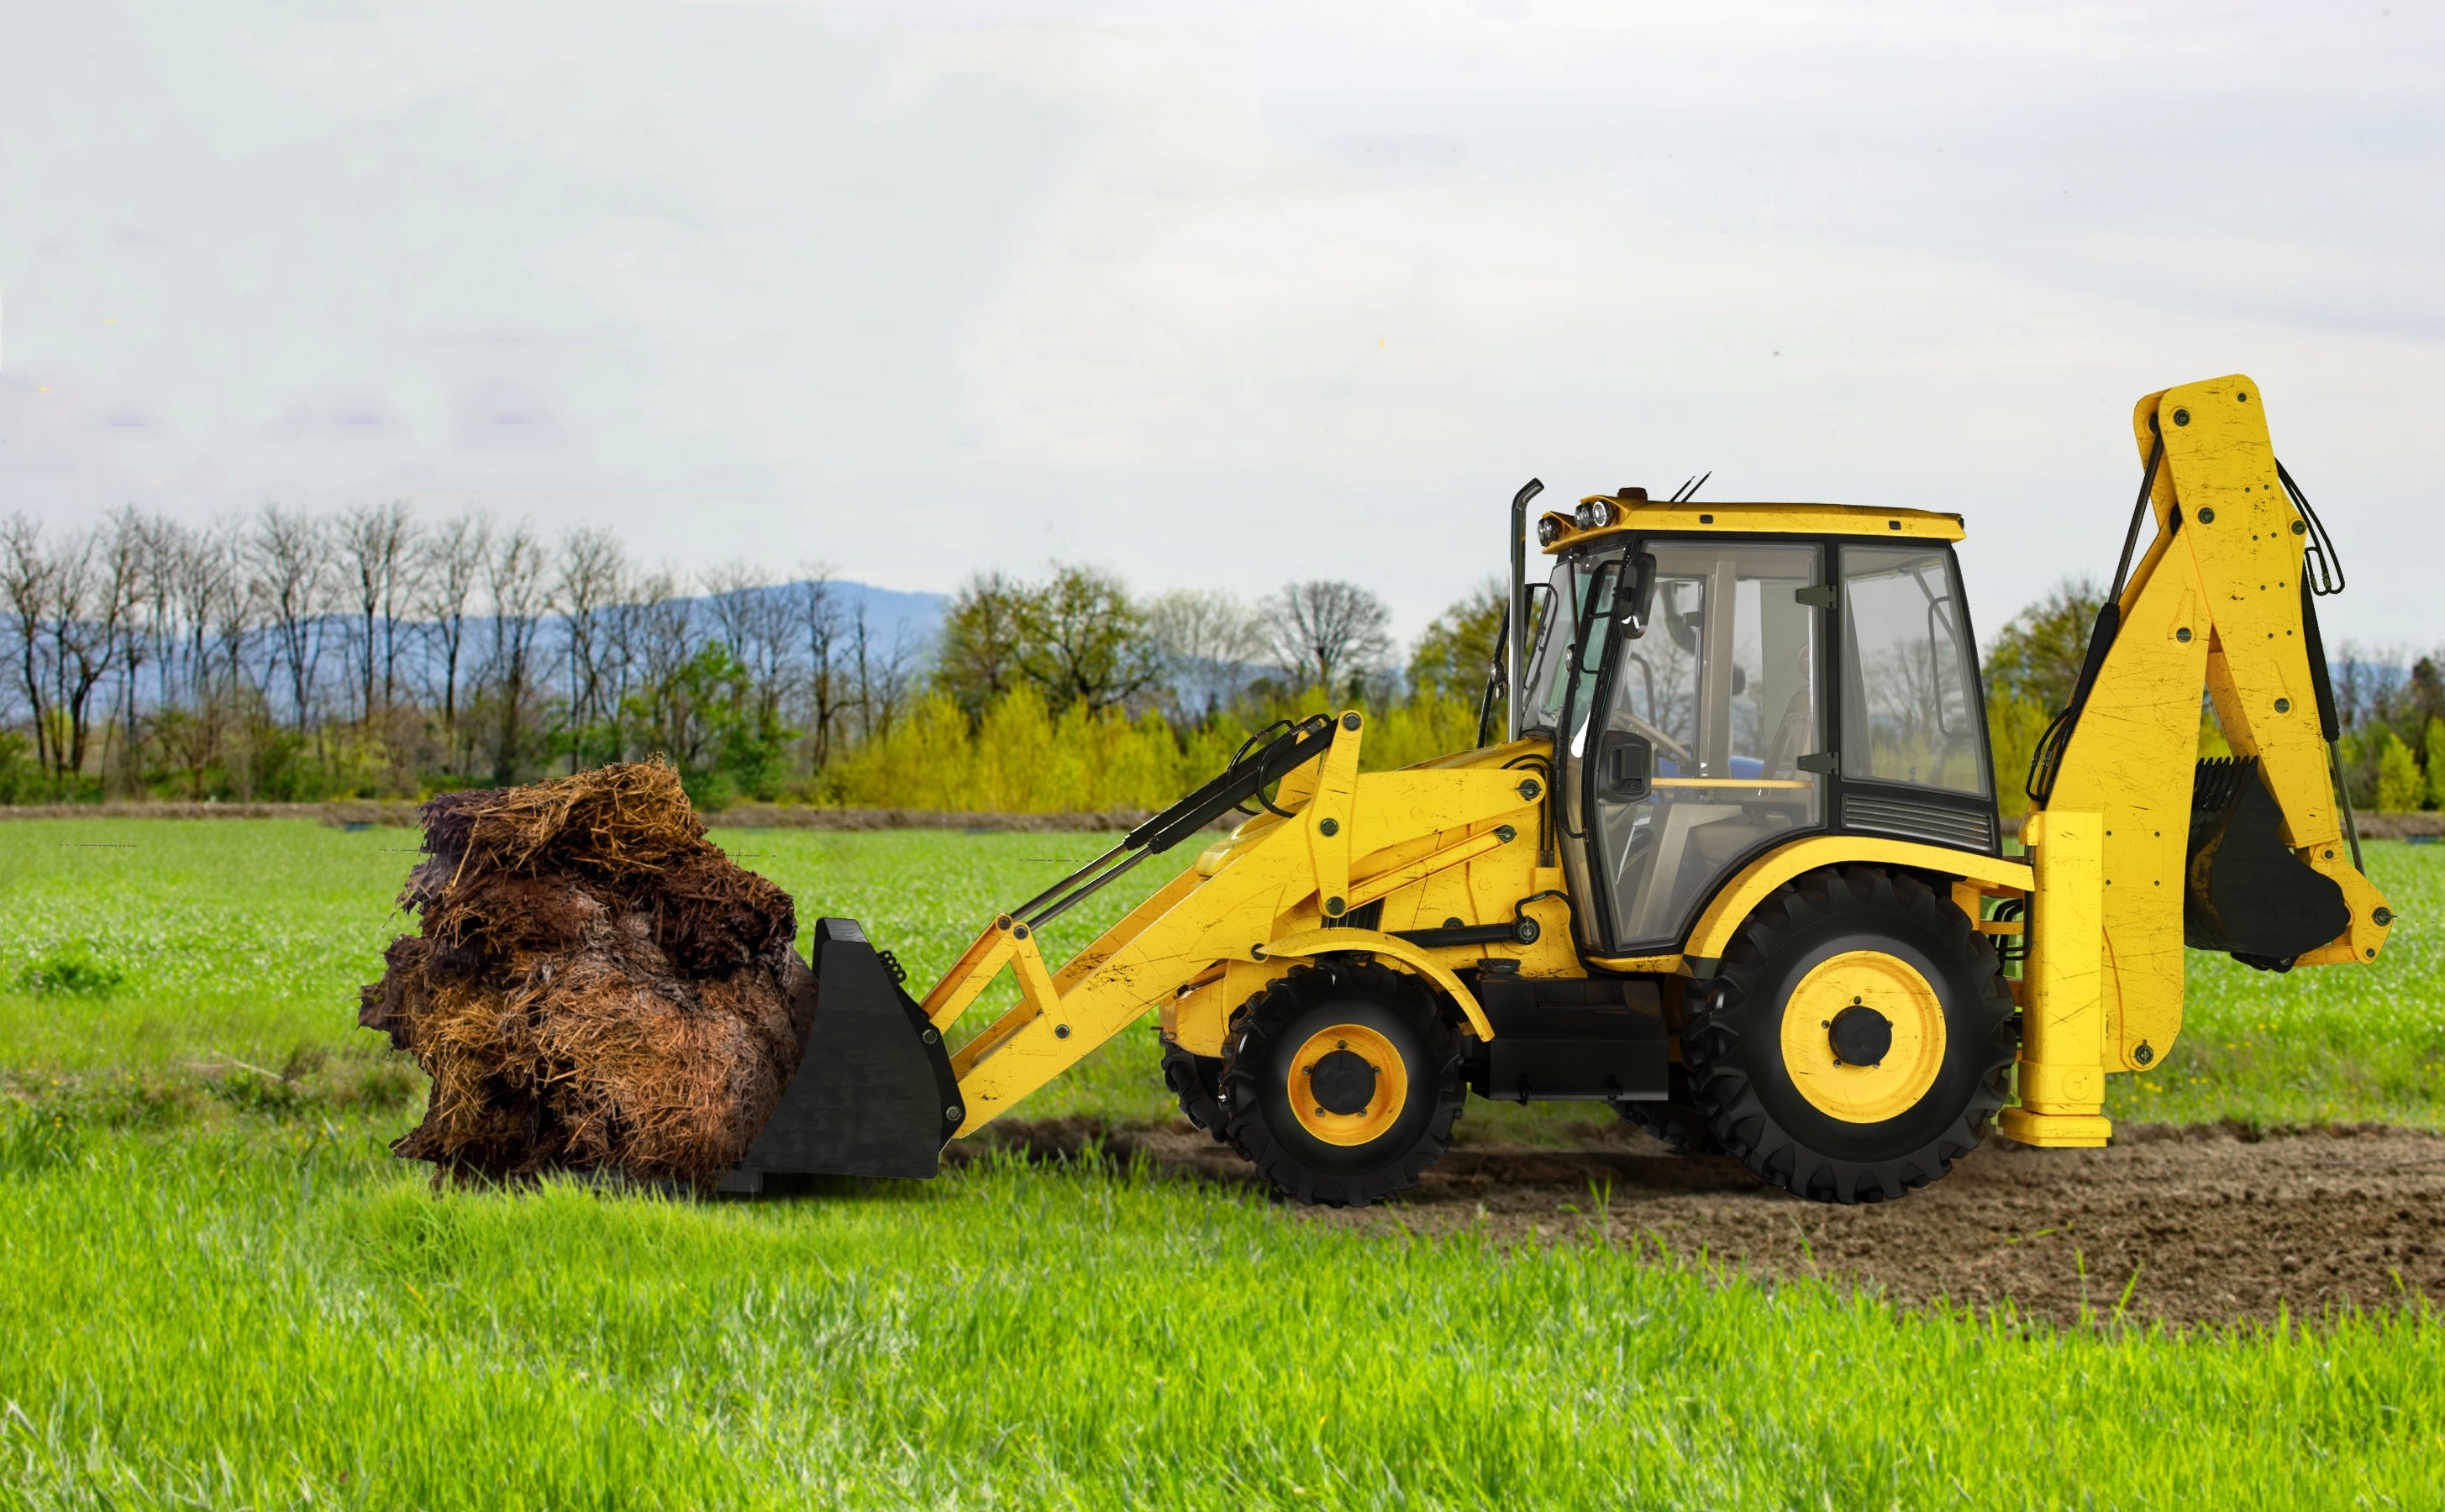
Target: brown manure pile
point(594, 985)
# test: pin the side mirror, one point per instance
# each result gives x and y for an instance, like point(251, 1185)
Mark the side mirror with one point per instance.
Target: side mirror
point(1629, 769)
point(1632, 606)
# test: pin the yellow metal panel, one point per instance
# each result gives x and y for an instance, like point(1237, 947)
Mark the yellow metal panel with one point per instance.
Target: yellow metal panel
point(1392, 878)
point(967, 977)
point(2238, 527)
point(1260, 885)
point(1129, 928)
point(2062, 1027)
point(1721, 921)
point(1324, 942)
point(1327, 818)
point(1795, 519)
point(1654, 965)
point(2217, 602)
point(2131, 759)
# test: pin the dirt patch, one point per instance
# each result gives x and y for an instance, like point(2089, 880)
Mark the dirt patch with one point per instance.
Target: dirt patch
point(2178, 1226)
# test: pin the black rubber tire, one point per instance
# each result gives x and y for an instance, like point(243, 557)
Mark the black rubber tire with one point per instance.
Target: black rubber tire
point(1678, 1123)
point(1733, 1038)
point(1197, 1082)
point(1255, 1070)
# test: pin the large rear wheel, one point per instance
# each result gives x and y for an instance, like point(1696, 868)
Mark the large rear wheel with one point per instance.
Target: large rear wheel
point(1196, 1081)
point(1857, 1038)
point(1341, 1083)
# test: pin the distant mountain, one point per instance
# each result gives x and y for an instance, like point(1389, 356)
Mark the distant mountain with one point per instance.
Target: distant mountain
point(911, 618)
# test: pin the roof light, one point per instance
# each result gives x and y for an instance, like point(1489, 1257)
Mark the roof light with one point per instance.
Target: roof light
point(1596, 513)
point(1550, 528)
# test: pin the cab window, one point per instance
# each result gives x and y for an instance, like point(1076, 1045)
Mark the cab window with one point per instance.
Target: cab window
point(1911, 709)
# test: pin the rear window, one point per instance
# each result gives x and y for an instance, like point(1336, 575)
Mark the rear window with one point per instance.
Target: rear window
point(1909, 686)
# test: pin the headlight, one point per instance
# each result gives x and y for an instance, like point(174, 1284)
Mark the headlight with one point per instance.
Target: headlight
point(1596, 513)
point(1549, 530)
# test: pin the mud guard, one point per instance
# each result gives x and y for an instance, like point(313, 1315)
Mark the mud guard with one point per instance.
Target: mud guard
point(873, 1094)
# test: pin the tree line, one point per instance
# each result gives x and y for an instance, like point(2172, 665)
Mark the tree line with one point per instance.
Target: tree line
point(292, 656)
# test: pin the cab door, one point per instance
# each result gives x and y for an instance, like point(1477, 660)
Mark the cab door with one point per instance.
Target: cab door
point(1704, 723)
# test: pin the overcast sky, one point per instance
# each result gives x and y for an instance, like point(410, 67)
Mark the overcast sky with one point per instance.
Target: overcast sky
point(1218, 295)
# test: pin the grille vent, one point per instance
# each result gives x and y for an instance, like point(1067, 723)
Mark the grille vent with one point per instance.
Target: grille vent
point(1919, 821)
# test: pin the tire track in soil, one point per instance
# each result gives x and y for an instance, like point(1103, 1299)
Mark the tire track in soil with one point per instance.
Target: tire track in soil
point(2207, 1225)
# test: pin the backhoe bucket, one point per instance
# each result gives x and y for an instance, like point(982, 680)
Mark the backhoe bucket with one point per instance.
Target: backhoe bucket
point(2247, 894)
point(873, 1094)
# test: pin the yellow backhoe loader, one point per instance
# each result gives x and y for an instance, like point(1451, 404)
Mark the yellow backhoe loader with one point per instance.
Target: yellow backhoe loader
point(1734, 866)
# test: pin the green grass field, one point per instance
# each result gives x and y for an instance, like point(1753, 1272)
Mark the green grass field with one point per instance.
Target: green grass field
point(222, 1291)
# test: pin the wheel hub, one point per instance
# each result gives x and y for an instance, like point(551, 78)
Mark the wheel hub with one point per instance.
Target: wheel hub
point(1343, 1082)
point(1864, 1036)
point(1861, 1035)
point(1348, 1085)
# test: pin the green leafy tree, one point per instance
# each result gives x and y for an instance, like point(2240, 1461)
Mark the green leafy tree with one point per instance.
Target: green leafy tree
point(2399, 783)
point(1452, 656)
point(1084, 640)
point(709, 721)
point(2432, 742)
point(2037, 657)
point(979, 653)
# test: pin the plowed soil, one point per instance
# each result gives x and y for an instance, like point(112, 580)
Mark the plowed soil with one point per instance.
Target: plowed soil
point(2182, 1226)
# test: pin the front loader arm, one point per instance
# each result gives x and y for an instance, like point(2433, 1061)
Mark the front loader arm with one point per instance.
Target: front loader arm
point(2217, 602)
point(1352, 839)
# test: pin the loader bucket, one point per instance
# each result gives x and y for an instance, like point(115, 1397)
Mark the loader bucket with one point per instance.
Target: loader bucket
point(2248, 893)
point(873, 1094)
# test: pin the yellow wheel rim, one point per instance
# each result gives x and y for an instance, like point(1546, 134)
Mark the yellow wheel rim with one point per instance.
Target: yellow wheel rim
point(1882, 987)
point(1348, 1085)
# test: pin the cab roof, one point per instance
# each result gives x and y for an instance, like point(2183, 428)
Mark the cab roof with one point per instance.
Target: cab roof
point(1632, 515)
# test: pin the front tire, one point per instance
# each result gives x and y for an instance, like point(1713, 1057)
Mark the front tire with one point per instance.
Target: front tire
point(1859, 1037)
point(1341, 1083)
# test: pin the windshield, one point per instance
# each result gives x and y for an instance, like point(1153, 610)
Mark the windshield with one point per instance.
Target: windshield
point(1555, 617)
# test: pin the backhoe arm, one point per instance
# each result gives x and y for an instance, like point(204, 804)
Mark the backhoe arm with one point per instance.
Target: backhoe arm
point(2139, 846)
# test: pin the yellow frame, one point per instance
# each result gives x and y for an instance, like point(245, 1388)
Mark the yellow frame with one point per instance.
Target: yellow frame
point(2212, 605)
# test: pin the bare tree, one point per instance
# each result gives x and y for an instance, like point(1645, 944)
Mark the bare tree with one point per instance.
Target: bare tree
point(517, 584)
point(72, 605)
point(130, 550)
point(1327, 635)
point(821, 628)
point(30, 578)
point(291, 571)
point(661, 633)
point(1207, 640)
point(753, 620)
point(454, 558)
point(378, 557)
point(883, 675)
point(593, 580)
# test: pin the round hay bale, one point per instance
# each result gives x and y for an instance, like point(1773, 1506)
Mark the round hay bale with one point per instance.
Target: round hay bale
point(593, 985)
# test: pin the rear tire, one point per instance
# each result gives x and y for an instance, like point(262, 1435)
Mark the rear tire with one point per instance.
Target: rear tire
point(1341, 1083)
point(1931, 1037)
point(1197, 1082)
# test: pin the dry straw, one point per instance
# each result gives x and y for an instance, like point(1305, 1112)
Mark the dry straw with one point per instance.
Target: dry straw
point(595, 986)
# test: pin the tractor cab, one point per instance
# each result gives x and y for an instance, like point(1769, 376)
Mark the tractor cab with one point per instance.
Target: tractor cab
point(1718, 681)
